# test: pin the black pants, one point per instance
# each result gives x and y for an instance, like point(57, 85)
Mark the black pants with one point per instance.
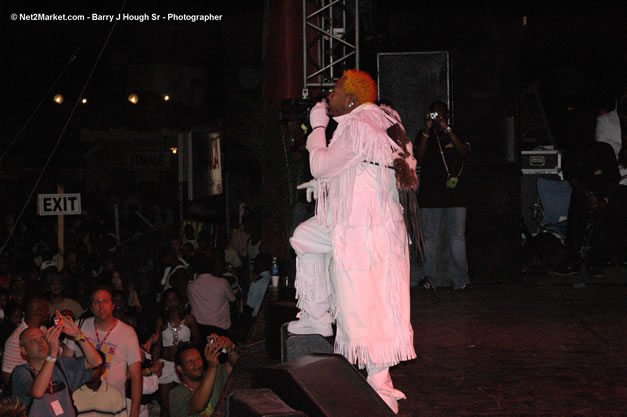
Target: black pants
point(580, 217)
point(617, 237)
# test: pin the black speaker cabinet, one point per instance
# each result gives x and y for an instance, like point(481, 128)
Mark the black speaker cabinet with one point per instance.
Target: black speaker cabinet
point(293, 346)
point(411, 81)
point(324, 385)
point(276, 314)
point(258, 403)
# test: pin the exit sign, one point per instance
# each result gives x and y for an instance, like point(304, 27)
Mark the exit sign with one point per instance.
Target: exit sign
point(58, 204)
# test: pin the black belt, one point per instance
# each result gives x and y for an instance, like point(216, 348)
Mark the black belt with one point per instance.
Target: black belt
point(377, 164)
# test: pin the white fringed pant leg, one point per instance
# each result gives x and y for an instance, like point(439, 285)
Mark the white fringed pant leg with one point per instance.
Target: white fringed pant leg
point(313, 247)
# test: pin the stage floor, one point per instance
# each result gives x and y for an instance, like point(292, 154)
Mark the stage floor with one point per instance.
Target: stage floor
point(544, 346)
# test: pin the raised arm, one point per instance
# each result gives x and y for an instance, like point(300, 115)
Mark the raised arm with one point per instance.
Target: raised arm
point(324, 162)
point(92, 357)
point(201, 396)
point(156, 346)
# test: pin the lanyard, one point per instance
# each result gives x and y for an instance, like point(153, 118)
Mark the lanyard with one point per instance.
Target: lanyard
point(36, 372)
point(188, 387)
point(99, 345)
point(448, 174)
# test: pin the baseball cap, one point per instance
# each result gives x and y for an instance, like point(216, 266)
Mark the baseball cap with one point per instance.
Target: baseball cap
point(47, 264)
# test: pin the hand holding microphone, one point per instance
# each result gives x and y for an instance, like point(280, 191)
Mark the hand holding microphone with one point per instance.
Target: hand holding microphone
point(318, 116)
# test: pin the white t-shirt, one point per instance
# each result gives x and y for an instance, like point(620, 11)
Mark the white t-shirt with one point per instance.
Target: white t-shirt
point(120, 347)
point(209, 297)
point(608, 130)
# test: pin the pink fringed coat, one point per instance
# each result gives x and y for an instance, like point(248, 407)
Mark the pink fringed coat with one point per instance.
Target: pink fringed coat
point(358, 202)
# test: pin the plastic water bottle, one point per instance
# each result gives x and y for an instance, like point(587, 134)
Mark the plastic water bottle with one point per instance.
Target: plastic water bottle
point(275, 273)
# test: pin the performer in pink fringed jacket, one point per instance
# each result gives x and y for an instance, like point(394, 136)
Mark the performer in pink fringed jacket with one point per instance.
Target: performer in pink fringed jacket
point(358, 234)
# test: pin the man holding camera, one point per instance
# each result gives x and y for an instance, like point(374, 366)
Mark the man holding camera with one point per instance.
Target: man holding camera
point(45, 382)
point(200, 389)
point(442, 197)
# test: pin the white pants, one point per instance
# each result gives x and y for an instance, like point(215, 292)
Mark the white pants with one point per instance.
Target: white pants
point(313, 247)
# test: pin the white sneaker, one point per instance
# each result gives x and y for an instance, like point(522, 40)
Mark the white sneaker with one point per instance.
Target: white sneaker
point(308, 326)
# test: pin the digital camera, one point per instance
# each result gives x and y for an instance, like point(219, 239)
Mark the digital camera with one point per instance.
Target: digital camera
point(433, 115)
point(58, 321)
point(452, 182)
point(222, 357)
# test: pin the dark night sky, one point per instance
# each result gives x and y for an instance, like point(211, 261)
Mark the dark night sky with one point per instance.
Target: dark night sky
point(573, 53)
point(38, 52)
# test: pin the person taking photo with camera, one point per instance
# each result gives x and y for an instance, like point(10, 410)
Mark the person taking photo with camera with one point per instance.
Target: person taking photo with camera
point(45, 382)
point(442, 194)
point(200, 387)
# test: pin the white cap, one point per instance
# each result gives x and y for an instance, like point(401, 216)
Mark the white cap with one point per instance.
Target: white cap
point(48, 264)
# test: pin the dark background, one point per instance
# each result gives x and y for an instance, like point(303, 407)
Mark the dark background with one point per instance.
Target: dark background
point(572, 55)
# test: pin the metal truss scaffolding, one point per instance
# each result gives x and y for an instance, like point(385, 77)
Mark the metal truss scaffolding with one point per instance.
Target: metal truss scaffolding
point(330, 41)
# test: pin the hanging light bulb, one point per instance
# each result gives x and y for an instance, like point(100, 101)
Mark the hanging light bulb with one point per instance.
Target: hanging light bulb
point(133, 98)
point(84, 100)
point(166, 97)
point(58, 98)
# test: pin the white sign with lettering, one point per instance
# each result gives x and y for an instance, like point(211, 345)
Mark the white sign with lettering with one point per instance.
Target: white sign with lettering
point(58, 204)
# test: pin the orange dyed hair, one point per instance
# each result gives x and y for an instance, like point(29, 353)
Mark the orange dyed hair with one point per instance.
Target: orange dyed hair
point(361, 85)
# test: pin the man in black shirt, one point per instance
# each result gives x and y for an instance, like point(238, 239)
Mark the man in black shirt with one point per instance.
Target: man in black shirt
point(442, 193)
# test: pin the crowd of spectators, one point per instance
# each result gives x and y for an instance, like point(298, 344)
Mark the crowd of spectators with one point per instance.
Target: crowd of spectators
point(136, 314)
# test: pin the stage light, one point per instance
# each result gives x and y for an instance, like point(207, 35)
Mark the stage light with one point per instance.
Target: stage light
point(174, 150)
point(58, 98)
point(84, 100)
point(133, 98)
point(166, 97)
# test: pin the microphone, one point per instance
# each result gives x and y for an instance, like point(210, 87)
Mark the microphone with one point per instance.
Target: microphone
point(323, 95)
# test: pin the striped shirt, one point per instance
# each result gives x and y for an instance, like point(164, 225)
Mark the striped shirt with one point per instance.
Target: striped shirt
point(105, 401)
point(12, 356)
